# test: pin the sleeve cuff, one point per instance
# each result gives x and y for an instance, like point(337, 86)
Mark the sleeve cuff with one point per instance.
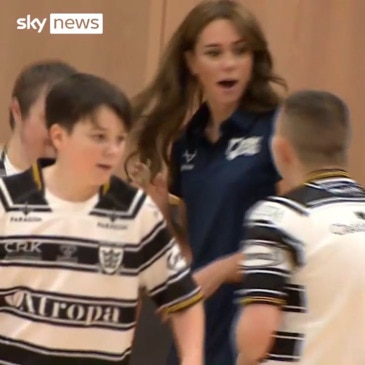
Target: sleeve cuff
point(197, 297)
point(174, 200)
point(262, 300)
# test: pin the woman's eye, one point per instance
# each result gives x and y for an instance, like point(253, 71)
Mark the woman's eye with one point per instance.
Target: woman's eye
point(213, 53)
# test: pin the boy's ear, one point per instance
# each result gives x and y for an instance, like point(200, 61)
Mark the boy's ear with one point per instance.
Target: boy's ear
point(57, 135)
point(14, 110)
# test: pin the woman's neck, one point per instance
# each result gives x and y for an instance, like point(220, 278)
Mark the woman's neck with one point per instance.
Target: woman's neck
point(218, 114)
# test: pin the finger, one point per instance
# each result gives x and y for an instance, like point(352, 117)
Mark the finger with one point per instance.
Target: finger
point(140, 174)
point(163, 315)
point(165, 318)
point(160, 182)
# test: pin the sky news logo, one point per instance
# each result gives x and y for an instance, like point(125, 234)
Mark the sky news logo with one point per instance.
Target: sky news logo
point(64, 23)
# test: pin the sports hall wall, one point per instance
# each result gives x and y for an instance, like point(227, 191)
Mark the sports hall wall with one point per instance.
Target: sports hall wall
point(316, 44)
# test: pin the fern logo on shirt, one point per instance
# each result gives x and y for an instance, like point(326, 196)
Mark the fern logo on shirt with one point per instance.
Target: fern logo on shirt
point(188, 158)
point(243, 146)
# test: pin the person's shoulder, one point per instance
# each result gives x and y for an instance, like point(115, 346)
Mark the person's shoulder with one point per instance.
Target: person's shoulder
point(287, 212)
point(21, 189)
point(122, 193)
point(281, 221)
point(277, 210)
point(194, 126)
point(131, 203)
point(307, 194)
point(179, 145)
point(22, 181)
point(180, 139)
point(267, 114)
point(266, 119)
point(263, 115)
point(128, 197)
point(256, 122)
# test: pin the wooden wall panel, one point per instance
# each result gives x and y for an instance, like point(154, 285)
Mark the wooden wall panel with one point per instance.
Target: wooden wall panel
point(315, 44)
point(126, 53)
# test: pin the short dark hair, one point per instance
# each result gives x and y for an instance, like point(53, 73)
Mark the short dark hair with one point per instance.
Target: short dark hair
point(35, 79)
point(318, 125)
point(80, 96)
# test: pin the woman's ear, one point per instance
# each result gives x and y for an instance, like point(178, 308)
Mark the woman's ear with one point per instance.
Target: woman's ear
point(190, 62)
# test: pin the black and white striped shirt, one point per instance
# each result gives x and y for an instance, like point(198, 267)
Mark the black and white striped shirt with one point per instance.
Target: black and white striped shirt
point(71, 273)
point(305, 252)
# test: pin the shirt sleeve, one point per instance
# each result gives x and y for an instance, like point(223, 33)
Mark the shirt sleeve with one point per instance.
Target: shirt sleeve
point(165, 274)
point(271, 254)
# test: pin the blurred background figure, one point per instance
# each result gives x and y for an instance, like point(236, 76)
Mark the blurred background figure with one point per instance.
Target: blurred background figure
point(29, 138)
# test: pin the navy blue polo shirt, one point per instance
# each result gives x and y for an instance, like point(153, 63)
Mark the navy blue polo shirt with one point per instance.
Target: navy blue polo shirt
point(219, 182)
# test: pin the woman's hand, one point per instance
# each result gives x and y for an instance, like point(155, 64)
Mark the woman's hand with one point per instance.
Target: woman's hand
point(157, 189)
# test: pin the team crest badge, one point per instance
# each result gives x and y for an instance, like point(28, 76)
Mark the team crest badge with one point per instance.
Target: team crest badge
point(110, 258)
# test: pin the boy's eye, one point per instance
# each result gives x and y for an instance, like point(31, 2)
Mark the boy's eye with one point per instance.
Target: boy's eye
point(98, 137)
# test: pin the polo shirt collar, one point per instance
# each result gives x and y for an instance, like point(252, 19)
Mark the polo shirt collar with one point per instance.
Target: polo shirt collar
point(240, 119)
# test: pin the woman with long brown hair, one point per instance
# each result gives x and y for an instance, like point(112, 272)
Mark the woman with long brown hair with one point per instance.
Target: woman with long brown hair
point(214, 96)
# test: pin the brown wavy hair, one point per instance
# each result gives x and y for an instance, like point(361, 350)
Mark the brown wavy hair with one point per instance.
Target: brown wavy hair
point(161, 109)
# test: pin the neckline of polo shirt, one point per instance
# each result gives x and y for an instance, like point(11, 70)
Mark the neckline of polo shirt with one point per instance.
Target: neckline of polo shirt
point(241, 119)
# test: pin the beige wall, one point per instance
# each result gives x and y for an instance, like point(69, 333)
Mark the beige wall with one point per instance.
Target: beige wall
point(317, 44)
point(125, 52)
